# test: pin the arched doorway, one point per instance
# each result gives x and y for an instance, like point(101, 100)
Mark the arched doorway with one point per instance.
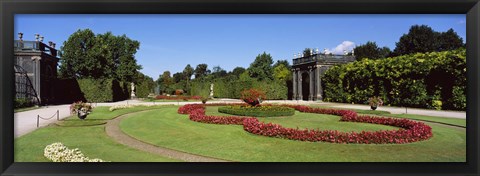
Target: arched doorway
point(305, 86)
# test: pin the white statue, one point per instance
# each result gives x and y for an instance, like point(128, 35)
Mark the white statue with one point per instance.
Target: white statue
point(133, 90)
point(211, 90)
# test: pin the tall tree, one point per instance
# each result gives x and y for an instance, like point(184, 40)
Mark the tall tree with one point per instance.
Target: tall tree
point(218, 72)
point(86, 55)
point(188, 72)
point(420, 38)
point(371, 50)
point(282, 73)
point(201, 71)
point(449, 41)
point(307, 52)
point(165, 82)
point(284, 62)
point(261, 68)
point(237, 71)
point(78, 59)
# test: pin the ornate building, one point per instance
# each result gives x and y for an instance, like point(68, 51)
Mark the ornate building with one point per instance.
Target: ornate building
point(307, 72)
point(35, 69)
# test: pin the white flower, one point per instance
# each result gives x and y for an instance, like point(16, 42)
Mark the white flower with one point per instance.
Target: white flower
point(57, 152)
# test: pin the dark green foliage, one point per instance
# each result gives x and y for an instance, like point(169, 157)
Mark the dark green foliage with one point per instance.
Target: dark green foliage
point(259, 111)
point(201, 71)
point(422, 38)
point(22, 103)
point(86, 55)
point(144, 85)
point(415, 80)
point(261, 68)
point(371, 50)
point(104, 90)
point(307, 52)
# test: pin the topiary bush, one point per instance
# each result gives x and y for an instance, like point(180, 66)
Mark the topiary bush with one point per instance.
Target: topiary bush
point(258, 111)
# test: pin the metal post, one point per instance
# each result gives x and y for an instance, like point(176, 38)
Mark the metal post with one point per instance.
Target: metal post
point(58, 115)
point(38, 120)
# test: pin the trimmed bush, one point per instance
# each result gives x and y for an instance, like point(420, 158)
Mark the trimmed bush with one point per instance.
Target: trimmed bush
point(258, 111)
point(104, 90)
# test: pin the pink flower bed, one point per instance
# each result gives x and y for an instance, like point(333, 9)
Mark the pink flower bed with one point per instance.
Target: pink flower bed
point(411, 131)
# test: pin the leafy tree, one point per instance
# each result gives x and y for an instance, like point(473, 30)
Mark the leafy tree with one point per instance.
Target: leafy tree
point(424, 39)
point(177, 77)
point(218, 72)
point(261, 68)
point(77, 59)
point(284, 62)
point(144, 85)
point(187, 73)
point(371, 50)
point(86, 55)
point(420, 38)
point(449, 41)
point(201, 71)
point(165, 82)
point(307, 52)
point(282, 73)
point(237, 71)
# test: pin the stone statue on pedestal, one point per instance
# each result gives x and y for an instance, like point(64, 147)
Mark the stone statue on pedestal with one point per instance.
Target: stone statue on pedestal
point(132, 95)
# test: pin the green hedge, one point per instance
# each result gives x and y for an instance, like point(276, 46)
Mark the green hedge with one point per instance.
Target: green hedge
point(104, 90)
point(232, 89)
point(258, 111)
point(423, 80)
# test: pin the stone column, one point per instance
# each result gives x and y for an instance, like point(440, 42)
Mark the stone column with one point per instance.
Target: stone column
point(300, 94)
point(294, 96)
point(319, 83)
point(312, 83)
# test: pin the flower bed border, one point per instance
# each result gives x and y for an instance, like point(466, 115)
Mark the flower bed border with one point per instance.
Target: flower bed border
point(411, 131)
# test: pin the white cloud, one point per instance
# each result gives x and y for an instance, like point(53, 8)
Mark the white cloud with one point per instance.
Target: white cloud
point(345, 45)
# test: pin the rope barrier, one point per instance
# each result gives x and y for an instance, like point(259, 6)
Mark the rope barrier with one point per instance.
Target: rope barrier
point(40, 117)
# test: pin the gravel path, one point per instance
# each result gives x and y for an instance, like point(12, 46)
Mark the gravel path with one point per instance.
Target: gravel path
point(113, 130)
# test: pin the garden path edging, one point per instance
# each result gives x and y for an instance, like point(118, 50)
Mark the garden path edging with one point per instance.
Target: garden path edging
point(112, 128)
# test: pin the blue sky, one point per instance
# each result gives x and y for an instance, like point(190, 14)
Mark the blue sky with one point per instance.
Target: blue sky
point(170, 42)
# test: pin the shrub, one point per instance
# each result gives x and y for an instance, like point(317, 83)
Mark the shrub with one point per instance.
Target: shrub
point(253, 97)
point(22, 103)
point(104, 90)
point(408, 80)
point(437, 104)
point(258, 111)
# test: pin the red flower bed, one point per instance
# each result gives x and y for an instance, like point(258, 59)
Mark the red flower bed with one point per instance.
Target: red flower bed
point(412, 131)
point(197, 113)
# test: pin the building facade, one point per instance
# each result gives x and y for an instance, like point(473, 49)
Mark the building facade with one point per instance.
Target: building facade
point(307, 73)
point(35, 67)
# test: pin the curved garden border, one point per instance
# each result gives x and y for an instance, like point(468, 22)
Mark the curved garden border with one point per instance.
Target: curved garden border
point(411, 131)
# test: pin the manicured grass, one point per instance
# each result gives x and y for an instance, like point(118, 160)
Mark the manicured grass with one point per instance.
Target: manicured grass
point(445, 120)
point(91, 140)
point(164, 100)
point(165, 127)
point(26, 109)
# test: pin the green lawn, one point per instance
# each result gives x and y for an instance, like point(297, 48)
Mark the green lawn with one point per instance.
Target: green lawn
point(453, 121)
point(91, 140)
point(165, 127)
point(26, 109)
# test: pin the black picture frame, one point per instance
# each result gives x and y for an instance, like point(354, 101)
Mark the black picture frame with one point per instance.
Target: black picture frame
point(8, 8)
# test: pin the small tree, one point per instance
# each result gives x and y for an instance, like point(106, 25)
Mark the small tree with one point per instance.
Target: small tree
point(253, 97)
